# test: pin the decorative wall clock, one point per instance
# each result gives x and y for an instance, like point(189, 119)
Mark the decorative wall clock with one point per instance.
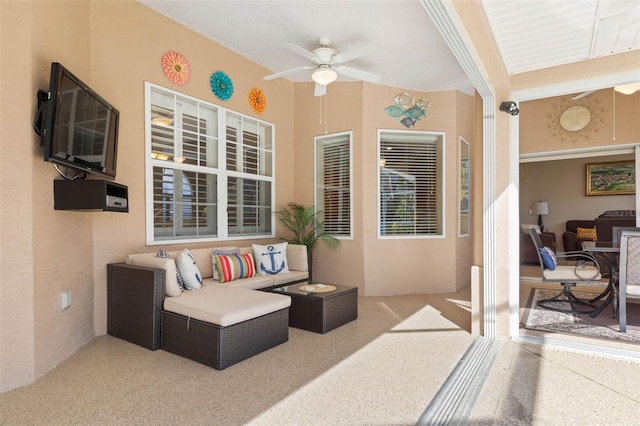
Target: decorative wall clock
point(595, 106)
point(575, 118)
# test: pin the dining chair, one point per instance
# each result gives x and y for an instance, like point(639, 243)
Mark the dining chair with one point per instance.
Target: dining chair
point(616, 233)
point(629, 273)
point(581, 267)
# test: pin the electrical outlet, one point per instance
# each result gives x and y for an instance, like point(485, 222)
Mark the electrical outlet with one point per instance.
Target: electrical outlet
point(65, 300)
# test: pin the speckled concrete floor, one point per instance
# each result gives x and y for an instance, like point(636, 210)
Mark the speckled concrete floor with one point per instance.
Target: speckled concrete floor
point(534, 385)
point(382, 369)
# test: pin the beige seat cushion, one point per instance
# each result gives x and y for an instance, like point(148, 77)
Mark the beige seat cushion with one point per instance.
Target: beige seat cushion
point(225, 306)
point(568, 273)
point(288, 277)
point(149, 260)
point(255, 282)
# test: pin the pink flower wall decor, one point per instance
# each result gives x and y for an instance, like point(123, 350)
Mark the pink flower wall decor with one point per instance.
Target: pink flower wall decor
point(176, 68)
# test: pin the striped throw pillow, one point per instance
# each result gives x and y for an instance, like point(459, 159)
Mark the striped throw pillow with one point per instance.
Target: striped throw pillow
point(235, 267)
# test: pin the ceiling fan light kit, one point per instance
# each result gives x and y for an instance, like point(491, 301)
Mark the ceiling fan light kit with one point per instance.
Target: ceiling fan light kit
point(324, 60)
point(628, 89)
point(324, 75)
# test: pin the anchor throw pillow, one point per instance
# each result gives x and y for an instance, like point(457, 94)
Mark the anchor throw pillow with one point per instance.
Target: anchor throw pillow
point(270, 259)
point(189, 270)
point(548, 258)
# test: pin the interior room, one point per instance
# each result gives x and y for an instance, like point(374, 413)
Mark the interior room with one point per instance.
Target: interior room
point(560, 178)
point(437, 271)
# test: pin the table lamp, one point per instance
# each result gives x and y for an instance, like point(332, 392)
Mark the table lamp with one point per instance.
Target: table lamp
point(540, 208)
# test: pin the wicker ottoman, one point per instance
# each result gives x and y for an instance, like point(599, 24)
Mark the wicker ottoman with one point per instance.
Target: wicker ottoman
point(321, 311)
point(219, 327)
point(220, 347)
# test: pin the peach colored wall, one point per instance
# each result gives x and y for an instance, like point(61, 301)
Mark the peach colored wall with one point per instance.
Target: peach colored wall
point(464, 245)
point(383, 267)
point(63, 241)
point(113, 47)
point(147, 35)
point(340, 110)
point(540, 129)
point(17, 349)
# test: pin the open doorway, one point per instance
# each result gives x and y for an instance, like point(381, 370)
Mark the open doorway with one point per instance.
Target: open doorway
point(556, 174)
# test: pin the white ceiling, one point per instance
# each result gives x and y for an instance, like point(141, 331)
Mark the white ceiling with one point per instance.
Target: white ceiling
point(409, 52)
point(539, 34)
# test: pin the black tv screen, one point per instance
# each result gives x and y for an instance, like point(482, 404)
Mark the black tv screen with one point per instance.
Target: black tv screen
point(79, 127)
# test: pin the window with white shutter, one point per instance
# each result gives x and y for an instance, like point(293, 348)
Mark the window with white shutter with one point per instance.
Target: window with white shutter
point(204, 183)
point(410, 183)
point(333, 193)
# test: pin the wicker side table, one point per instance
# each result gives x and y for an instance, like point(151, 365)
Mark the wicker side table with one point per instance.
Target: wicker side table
point(321, 312)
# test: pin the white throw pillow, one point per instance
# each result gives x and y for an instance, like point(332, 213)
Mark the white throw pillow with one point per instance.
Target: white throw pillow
point(162, 253)
point(270, 259)
point(189, 270)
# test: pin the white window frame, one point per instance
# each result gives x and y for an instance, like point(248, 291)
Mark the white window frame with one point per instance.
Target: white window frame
point(381, 162)
point(319, 186)
point(464, 224)
point(220, 170)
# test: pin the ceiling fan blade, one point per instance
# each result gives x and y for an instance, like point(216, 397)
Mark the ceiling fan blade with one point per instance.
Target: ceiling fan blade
point(582, 95)
point(301, 51)
point(286, 72)
point(358, 74)
point(349, 55)
point(320, 90)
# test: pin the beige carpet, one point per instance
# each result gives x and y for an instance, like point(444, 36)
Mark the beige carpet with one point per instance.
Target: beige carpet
point(382, 369)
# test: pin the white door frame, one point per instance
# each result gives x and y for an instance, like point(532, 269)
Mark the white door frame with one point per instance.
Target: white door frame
point(447, 22)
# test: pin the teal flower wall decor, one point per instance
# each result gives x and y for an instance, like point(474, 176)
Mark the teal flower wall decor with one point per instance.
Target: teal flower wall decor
point(407, 110)
point(221, 85)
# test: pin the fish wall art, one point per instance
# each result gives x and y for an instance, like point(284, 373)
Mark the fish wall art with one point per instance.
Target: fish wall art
point(407, 110)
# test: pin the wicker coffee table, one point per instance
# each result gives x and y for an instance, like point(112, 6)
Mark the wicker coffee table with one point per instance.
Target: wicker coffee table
point(323, 308)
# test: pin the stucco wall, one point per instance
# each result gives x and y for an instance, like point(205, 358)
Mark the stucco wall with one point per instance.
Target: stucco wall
point(113, 47)
point(610, 124)
point(378, 266)
point(17, 349)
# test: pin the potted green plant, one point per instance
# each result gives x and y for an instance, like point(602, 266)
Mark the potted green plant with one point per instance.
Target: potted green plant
point(307, 228)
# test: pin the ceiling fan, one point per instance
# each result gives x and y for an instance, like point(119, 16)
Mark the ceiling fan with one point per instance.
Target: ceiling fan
point(626, 89)
point(325, 60)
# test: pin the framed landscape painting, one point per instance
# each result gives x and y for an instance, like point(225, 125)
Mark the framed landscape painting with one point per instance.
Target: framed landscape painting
point(614, 178)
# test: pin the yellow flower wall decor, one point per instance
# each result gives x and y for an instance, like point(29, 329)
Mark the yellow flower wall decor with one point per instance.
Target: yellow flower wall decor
point(176, 68)
point(257, 100)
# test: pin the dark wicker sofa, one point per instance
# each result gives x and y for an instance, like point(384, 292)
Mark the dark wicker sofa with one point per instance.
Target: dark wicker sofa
point(136, 312)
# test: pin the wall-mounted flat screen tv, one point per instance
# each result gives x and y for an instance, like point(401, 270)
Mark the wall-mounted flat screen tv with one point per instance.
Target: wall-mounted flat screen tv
point(79, 128)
